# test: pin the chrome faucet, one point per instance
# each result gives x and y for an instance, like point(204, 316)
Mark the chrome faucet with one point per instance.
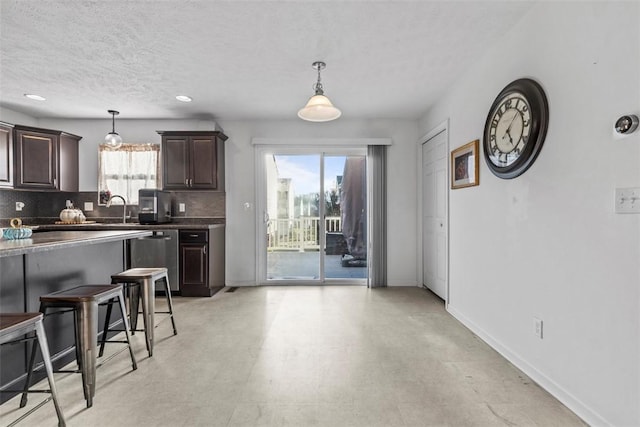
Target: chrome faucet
point(124, 206)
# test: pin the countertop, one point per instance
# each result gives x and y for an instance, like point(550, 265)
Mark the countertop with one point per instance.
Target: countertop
point(127, 226)
point(52, 240)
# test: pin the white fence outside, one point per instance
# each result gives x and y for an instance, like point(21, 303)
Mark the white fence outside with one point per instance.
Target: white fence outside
point(299, 234)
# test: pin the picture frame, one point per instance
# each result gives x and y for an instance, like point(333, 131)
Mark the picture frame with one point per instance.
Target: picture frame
point(465, 166)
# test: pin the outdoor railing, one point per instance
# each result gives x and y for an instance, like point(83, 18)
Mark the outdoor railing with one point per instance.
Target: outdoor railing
point(299, 233)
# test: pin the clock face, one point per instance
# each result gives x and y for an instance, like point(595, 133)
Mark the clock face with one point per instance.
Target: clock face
point(509, 129)
point(515, 128)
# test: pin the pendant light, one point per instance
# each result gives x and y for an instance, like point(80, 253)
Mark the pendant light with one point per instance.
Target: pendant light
point(319, 108)
point(113, 140)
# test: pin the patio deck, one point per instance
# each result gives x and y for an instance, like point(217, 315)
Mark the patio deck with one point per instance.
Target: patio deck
point(295, 265)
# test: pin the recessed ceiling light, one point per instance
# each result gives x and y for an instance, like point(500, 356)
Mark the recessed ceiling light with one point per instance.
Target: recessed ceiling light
point(35, 97)
point(184, 98)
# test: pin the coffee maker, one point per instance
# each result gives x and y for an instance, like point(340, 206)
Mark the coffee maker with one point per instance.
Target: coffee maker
point(155, 206)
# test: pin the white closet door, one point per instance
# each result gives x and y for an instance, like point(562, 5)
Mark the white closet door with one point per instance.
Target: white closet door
point(435, 215)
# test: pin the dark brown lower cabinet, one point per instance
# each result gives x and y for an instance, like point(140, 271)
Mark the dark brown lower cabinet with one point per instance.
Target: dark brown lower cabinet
point(201, 262)
point(193, 263)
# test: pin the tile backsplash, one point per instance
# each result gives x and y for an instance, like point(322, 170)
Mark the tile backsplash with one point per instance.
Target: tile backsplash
point(43, 207)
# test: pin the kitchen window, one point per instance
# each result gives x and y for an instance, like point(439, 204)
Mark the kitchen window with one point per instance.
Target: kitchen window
point(126, 169)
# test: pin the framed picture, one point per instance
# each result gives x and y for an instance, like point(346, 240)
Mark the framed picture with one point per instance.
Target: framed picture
point(465, 165)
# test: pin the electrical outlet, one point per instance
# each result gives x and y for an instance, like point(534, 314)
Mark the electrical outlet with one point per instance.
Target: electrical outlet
point(19, 206)
point(182, 207)
point(627, 200)
point(537, 327)
point(88, 206)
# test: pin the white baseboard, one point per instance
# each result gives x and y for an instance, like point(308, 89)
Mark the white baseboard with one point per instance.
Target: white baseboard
point(240, 283)
point(580, 409)
point(396, 283)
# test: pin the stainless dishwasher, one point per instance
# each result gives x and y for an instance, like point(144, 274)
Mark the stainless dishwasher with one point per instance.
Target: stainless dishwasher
point(158, 250)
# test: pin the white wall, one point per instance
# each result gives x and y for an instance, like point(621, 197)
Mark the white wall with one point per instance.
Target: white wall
point(401, 188)
point(14, 117)
point(548, 244)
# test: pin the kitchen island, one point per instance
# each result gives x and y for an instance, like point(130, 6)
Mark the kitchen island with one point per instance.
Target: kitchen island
point(52, 240)
point(49, 262)
point(193, 252)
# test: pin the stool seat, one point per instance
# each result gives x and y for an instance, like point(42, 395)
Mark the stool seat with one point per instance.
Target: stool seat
point(15, 325)
point(84, 301)
point(139, 273)
point(98, 293)
point(11, 323)
point(145, 279)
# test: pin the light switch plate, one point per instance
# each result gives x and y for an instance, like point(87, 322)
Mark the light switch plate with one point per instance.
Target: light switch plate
point(182, 207)
point(88, 206)
point(627, 200)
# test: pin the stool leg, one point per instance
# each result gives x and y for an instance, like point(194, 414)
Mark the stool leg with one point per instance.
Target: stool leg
point(87, 327)
point(32, 360)
point(107, 319)
point(44, 349)
point(148, 309)
point(134, 305)
point(165, 280)
point(77, 341)
point(123, 310)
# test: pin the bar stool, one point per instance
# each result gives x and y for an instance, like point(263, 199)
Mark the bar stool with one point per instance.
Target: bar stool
point(12, 327)
point(84, 301)
point(142, 281)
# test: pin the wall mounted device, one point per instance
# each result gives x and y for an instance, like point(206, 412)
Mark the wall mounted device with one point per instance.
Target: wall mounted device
point(626, 124)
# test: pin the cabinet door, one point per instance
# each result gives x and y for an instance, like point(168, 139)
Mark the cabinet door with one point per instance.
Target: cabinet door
point(194, 279)
point(36, 160)
point(175, 160)
point(204, 162)
point(68, 173)
point(6, 156)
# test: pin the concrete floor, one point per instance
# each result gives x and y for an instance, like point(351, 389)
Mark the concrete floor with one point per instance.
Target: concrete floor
point(308, 356)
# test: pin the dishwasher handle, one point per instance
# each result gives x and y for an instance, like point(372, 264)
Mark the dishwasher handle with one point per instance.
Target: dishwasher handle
point(155, 238)
point(157, 235)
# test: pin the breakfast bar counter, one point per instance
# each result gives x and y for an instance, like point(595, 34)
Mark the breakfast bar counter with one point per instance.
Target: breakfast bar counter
point(48, 262)
point(51, 240)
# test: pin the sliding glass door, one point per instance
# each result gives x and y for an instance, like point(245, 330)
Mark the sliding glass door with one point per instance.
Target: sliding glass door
point(314, 217)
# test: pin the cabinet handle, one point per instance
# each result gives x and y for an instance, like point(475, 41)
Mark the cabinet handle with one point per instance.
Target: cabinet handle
point(204, 250)
point(190, 182)
point(55, 182)
point(186, 182)
point(193, 235)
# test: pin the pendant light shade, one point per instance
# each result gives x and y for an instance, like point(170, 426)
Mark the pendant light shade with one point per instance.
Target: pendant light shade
point(319, 108)
point(113, 140)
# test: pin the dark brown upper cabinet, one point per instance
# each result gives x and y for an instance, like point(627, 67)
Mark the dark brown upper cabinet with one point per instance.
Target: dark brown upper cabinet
point(45, 159)
point(6, 155)
point(193, 160)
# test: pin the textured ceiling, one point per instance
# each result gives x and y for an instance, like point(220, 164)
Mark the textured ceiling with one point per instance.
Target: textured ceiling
point(239, 59)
